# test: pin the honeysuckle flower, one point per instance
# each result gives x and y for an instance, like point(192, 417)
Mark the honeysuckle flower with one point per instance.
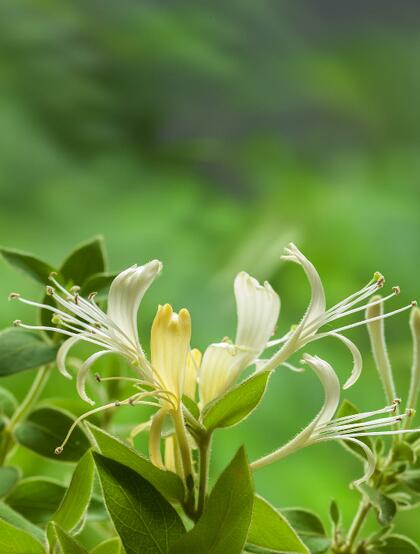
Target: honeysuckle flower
point(349, 428)
point(258, 308)
point(317, 316)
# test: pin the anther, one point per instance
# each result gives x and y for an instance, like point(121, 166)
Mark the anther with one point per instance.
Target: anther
point(14, 296)
point(396, 401)
point(131, 401)
point(413, 303)
point(17, 323)
point(49, 290)
point(410, 412)
point(58, 450)
point(52, 275)
point(379, 278)
point(396, 290)
point(75, 289)
point(117, 403)
point(98, 377)
point(56, 319)
point(92, 295)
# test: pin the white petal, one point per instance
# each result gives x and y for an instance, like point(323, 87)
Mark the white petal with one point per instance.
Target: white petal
point(370, 460)
point(63, 352)
point(354, 351)
point(83, 372)
point(317, 303)
point(331, 385)
point(258, 308)
point(125, 295)
point(221, 365)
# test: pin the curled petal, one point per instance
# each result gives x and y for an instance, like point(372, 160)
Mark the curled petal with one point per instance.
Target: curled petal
point(331, 384)
point(258, 308)
point(125, 295)
point(83, 372)
point(155, 436)
point(354, 351)
point(317, 303)
point(63, 352)
point(370, 460)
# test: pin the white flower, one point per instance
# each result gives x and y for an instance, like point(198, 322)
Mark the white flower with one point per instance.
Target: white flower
point(258, 308)
point(349, 428)
point(317, 316)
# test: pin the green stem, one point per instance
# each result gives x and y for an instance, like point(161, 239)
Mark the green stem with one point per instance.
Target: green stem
point(357, 524)
point(204, 448)
point(23, 409)
point(185, 451)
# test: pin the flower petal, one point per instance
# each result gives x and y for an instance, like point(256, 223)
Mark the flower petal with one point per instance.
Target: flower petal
point(83, 372)
point(258, 308)
point(191, 372)
point(331, 384)
point(221, 365)
point(317, 303)
point(125, 295)
point(63, 352)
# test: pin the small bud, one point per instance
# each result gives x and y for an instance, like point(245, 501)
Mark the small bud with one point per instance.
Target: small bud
point(14, 296)
point(58, 450)
point(17, 323)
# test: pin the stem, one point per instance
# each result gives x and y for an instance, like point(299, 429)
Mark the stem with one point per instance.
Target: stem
point(357, 524)
point(21, 412)
point(185, 451)
point(204, 448)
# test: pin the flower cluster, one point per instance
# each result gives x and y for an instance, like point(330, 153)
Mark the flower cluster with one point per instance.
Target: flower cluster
point(175, 369)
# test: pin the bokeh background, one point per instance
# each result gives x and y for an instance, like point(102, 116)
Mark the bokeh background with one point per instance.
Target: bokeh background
point(210, 135)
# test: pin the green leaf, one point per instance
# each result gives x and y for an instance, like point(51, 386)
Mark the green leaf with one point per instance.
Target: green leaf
point(144, 520)
point(309, 528)
point(224, 525)
point(36, 498)
point(270, 529)
point(99, 283)
point(8, 403)
point(237, 403)
point(17, 541)
point(21, 350)
point(110, 546)
point(347, 408)
point(68, 544)
point(44, 430)
point(17, 520)
point(191, 406)
point(166, 482)
point(85, 261)
point(28, 264)
point(9, 476)
point(385, 507)
point(412, 480)
point(76, 500)
point(396, 544)
point(403, 451)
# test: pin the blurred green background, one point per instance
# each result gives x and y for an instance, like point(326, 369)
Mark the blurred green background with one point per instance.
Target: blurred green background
point(210, 135)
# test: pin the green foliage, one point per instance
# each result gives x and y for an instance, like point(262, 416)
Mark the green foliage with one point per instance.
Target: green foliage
point(396, 544)
point(28, 264)
point(68, 544)
point(21, 350)
point(309, 528)
point(110, 546)
point(15, 519)
point(166, 482)
point(8, 479)
point(237, 403)
point(8, 403)
point(143, 518)
point(224, 525)
point(17, 541)
point(386, 507)
point(36, 498)
point(86, 261)
point(44, 430)
point(75, 502)
point(99, 283)
point(270, 529)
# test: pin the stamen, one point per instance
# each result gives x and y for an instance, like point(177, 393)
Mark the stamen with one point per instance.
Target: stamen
point(363, 322)
point(13, 296)
point(17, 323)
